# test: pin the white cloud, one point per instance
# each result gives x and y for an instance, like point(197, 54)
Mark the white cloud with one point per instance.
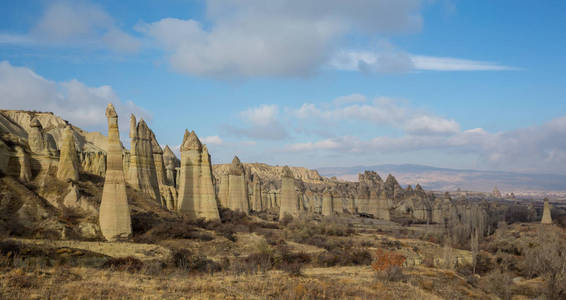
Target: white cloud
point(424, 124)
point(540, 148)
point(263, 123)
point(212, 140)
point(390, 60)
point(273, 38)
point(83, 106)
point(381, 111)
point(83, 24)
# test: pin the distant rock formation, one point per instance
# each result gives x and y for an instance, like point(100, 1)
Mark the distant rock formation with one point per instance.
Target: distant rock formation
point(289, 203)
point(197, 197)
point(68, 167)
point(546, 215)
point(114, 215)
point(257, 199)
point(327, 203)
point(237, 190)
point(496, 193)
point(141, 173)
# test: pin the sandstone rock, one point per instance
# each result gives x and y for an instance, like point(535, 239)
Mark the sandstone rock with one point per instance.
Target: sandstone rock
point(166, 187)
point(546, 216)
point(197, 196)
point(289, 200)
point(114, 216)
point(141, 173)
point(223, 190)
point(171, 164)
point(36, 140)
point(327, 203)
point(68, 167)
point(496, 193)
point(237, 189)
point(24, 164)
point(257, 203)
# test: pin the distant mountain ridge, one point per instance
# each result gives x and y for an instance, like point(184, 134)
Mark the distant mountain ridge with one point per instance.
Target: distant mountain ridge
point(451, 179)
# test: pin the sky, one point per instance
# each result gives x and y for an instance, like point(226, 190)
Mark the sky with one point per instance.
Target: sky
point(314, 83)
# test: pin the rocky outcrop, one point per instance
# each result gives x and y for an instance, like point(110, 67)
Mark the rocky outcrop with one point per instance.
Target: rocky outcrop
point(68, 167)
point(114, 214)
point(257, 202)
point(327, 203)
point(546, 216)
point(141, 172)
point(171, 164)
point(166, 186)
point(197, 198)
point(237, 189)
point(24, 164)
point(289, 203)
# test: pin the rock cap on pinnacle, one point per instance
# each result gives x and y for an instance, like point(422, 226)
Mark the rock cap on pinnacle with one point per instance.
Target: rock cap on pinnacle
point(111, 111)
point(191, 141)
point(287, 172)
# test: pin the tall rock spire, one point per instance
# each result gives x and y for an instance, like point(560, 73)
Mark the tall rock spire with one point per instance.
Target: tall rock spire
point(142, 174)
point(197, 197)
point(289, 203)
point(114, 215)
point(237, 189)
point(546, 215)
point(68, 167)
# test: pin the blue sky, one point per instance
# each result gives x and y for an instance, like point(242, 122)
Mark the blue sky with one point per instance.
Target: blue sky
point(462, 84)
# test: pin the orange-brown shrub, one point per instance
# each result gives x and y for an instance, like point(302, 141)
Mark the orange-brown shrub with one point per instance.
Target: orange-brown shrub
point(385, 260)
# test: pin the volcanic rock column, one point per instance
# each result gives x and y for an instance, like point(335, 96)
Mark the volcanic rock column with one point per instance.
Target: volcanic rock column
point(142, 174)
point(257, 198)
point(223, 190)
point(546, 216)
point(114, 215)
point(289, 203)
point(197, 197)
point(68, 167)
point(237, 190)
point(327, 204)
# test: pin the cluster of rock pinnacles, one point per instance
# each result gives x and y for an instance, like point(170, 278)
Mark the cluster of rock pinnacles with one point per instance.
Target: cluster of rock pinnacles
point(195, 188)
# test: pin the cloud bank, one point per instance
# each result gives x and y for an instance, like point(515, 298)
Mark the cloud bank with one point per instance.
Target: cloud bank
point(82, 105)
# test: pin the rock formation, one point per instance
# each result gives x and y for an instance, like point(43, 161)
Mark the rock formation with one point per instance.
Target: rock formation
point(36, 140)
point(171, 164)
point(496, 193)
point(257, 199)
point(141, 173)
point(197, 197)
point(24, 163)
point(166, 187)
point(68, 167)
point(546, 216)
point(237, 189)
point(327, 203)
point(289, 203)
point(114, 215)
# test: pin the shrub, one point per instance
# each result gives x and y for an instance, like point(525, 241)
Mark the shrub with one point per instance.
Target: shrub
point(386, 260)
point(183, 259)
point(129, 264)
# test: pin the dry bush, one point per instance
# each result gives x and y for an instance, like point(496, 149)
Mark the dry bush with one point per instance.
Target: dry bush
point(267, 258)
point(518, 214)
point(547, 259)
point(498, 283)
point(128, 264)
point(387, 259)
point(184, 259)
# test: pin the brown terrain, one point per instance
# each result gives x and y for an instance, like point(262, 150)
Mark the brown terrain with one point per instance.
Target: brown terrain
point(82, 217)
